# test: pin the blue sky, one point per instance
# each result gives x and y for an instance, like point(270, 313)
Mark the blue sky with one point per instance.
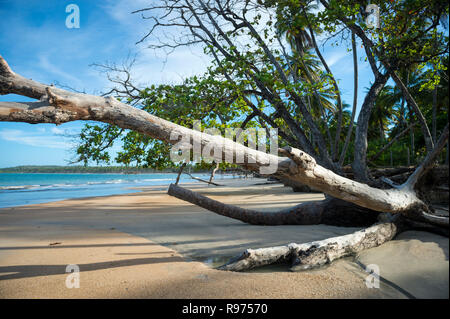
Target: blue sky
point(37, 44)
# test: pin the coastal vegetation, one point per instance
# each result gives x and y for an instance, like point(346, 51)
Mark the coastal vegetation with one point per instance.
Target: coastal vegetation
point(88, 169)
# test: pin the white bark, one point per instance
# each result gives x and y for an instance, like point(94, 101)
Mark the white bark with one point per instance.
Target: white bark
point(314, 254)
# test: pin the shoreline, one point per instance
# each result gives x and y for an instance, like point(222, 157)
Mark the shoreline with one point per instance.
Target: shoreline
point(149, 245)
point(47, 190)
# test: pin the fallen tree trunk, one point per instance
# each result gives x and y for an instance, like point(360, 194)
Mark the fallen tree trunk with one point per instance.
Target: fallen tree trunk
point(330, 211)
point(319, 253)
point(315, 254)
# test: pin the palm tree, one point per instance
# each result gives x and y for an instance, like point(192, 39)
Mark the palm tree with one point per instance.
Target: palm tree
point(302, 64)
point(292, 24)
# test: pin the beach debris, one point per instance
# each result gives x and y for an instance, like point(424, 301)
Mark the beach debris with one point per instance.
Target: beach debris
point(54, 244)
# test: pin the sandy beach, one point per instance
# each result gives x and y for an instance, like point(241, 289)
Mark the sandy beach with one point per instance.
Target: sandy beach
point(150, 245)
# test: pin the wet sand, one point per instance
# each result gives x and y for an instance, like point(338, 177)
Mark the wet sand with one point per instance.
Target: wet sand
point(151, 245)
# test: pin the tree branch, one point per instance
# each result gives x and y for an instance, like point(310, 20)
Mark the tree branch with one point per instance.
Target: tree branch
point(428, 161)
point(392, 141)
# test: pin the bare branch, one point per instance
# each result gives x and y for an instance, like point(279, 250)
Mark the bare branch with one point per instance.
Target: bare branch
point(428, 161)
point(392, 141)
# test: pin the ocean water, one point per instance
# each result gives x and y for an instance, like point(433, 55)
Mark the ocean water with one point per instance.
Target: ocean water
point(27, 188)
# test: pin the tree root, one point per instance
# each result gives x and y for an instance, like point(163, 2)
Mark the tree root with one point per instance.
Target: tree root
point(202, 180)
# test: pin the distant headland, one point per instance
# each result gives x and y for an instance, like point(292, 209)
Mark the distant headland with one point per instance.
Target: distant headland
point(82, 169)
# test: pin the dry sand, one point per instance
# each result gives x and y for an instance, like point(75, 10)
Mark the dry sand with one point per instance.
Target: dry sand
point(151, 245)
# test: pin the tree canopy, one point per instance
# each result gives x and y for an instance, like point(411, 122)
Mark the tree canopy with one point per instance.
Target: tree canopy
point(267, 71)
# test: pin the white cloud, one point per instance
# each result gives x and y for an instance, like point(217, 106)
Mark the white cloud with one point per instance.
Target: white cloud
point(56, 130)
point(336, 56)
point(152, 67)
point(121, 10)
point(46, 65)
point(33, 139)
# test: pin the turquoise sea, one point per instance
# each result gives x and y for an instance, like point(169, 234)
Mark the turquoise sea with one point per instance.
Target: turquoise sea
point(18, 189)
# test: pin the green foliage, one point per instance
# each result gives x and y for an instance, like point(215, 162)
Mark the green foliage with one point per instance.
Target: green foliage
point(77, 169)
point(409, 32)
point(410, 39)
point(214, 102)
point(395, 116)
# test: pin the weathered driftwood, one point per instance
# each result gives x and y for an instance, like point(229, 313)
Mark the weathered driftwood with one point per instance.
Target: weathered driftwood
point(314, 254)
point(60, 106)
